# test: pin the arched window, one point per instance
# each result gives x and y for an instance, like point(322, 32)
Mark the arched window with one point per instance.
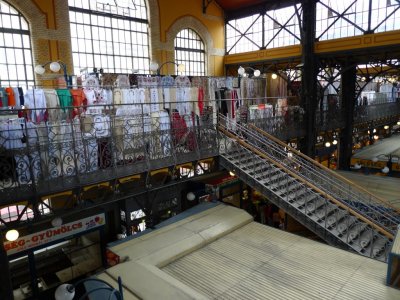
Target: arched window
point(189, 50)
point(112, 35)
point(16, 68)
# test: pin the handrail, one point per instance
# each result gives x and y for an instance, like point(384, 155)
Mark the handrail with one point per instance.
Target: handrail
point(315, 188)
point(372, 206)
point(324, 167)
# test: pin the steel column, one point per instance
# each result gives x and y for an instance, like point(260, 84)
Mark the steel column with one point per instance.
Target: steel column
point(348, 101)
point(309, 77)
point(6, 289)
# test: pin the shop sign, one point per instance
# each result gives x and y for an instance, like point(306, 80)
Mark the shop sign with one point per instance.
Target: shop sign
point(50, 235)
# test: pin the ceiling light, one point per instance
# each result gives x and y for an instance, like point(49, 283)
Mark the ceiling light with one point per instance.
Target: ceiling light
point(386, 127)
point(334, 142)
point(376, 137)
point(231, 173)
point(327, 144)
point(274, 76)
point(257, 73)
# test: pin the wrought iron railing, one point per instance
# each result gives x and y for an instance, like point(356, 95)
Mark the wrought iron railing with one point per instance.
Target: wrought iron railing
point(47, 157)
point(277, 173)
point(291, 124)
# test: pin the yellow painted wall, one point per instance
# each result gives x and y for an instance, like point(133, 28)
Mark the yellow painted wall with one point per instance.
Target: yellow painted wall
point(48, 9)
point(172, 10)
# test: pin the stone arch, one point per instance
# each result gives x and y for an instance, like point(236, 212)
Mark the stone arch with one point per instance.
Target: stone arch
point(201, 30)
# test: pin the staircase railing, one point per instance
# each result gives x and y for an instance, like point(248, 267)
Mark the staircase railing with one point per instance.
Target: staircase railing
point(330, 219)
point(382, 214)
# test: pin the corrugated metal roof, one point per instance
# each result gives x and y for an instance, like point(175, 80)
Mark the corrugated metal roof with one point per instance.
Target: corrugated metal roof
point(260, 262)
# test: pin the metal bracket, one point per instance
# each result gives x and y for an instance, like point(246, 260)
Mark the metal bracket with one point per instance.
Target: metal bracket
point(206, 3)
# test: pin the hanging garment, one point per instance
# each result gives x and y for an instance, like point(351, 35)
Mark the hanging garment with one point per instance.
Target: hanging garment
point(79, 102)
point(65, 99)
point(53, 105)
point(11, 96)
point(3, 97)
point(154, 100)
point(17, 97)
point(167, 81)
point(21, 96)
point(35, 101)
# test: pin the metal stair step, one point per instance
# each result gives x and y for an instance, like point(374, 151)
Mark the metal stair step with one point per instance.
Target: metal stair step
point(355, 232)
point(325, 211)
point(336, 218)
point(343, 226)
point(313, 206)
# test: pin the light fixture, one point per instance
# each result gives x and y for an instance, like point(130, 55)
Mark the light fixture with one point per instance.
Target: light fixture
point(154, 67)
point(67, 291)
point(334, 142)
point(374, 159)
point(56, 222)
point(12, 235)
point(39, 69)
point(363, 78)
point(181, 68)
point(327, 144)
point(398, 123)
point(55, 66)
point(274, 76)
point(289, 154)
point(231, 173)
point(376, 137)
point(190, 196)
point(241, 71)
point(386, 127)
point(385, 170)
point(374, 131)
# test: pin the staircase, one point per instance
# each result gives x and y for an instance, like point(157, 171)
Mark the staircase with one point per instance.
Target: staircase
point(339, 212)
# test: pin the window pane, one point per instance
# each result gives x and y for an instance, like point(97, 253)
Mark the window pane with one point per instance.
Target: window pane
point(104, 25)
point(15, 49)
point(189, 51)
